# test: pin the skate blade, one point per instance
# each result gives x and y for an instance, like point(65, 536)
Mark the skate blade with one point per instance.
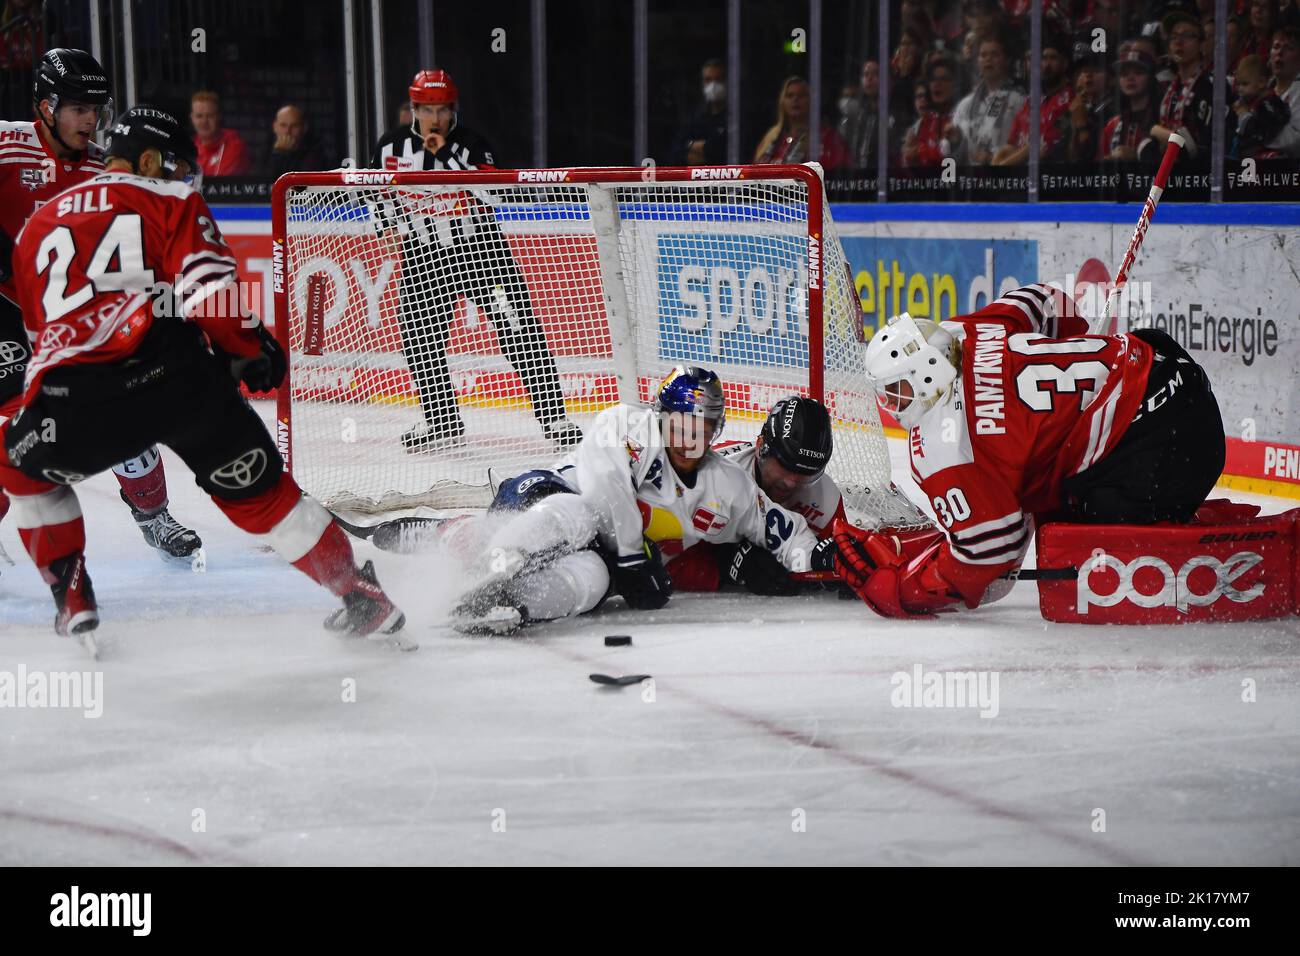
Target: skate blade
point(97, 644)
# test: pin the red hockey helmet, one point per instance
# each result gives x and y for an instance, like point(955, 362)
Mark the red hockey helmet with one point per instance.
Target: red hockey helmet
point(434, 86)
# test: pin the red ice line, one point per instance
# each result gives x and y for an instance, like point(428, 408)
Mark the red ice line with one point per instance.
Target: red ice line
point(978, 804)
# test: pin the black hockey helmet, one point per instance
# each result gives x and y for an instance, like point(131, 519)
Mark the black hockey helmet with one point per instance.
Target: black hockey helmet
point(148, 127)
point(798, 434)
point(66, 75)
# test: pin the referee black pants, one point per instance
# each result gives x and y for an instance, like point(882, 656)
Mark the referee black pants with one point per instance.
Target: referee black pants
point(468, 256)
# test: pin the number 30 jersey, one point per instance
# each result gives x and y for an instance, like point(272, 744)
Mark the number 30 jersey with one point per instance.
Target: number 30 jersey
point(1027, 411)
point(95, 267)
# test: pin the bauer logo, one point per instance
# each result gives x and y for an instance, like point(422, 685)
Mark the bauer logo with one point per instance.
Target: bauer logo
point(543, 175)
point(368, 179)
point(1166, 587)
point(742, 300)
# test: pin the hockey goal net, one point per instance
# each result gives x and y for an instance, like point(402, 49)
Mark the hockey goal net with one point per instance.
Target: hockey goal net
point(442, 326)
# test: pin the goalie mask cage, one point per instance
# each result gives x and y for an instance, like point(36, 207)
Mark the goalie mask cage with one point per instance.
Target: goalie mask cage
point(601, 279)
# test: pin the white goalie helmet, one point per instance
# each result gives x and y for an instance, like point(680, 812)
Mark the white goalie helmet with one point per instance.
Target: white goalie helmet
point(909, 364)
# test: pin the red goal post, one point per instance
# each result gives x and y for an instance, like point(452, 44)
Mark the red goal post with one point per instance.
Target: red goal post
point(616, 274)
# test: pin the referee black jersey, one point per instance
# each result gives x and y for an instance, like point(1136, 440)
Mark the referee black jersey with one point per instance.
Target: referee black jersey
point(402, 150)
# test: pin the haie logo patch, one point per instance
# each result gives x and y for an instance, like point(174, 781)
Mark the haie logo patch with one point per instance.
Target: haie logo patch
point(708, 523)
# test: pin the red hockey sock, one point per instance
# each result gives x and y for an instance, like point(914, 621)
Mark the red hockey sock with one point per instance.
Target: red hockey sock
point(330, 562)
point(144, 481)
point(4, 505)
point(300, 530)
point(50, 525)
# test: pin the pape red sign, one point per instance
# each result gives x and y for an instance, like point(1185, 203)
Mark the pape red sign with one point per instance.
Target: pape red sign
point(1171, 574)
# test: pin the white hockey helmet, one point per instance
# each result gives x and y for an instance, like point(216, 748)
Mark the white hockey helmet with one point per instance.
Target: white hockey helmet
point(909, 364)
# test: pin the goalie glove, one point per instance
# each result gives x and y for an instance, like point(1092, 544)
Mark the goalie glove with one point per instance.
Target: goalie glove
point(642, 580)
point(265, 370)
point(895, 578)
point(757, 569)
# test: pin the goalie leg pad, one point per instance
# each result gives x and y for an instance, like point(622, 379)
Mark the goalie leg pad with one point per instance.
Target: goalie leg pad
point(1236, 570)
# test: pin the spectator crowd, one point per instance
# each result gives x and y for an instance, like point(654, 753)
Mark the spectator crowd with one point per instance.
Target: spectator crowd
point(1117, 79)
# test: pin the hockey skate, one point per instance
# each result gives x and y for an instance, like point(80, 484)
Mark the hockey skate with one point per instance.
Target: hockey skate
point(488, 610)
point(167, 536)
point(367, 612)
point(562, 433)
point(74, 597)
point(424, 437)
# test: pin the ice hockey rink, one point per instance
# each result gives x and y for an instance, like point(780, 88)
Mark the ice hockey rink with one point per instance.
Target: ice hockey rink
point(768, 736)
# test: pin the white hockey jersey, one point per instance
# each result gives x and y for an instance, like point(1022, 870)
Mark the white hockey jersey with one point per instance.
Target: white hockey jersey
point(820, 502)
point(622, 469)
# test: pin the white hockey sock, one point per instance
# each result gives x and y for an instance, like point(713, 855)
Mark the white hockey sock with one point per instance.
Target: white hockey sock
point(572, 584)
point(552, 522)
point(299, 530)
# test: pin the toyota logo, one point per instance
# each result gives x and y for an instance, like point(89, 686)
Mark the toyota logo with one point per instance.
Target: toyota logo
point(242, 472)
point(11, 353)
point(57, 337)
point(61, 477)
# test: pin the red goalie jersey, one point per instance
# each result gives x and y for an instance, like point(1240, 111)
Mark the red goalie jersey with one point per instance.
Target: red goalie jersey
point(97, 266)
point(1028, 411)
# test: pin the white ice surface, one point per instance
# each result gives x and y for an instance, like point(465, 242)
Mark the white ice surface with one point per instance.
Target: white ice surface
point(223, 694)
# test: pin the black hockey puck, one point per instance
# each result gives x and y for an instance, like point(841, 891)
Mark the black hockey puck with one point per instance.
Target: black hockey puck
point(618, 640)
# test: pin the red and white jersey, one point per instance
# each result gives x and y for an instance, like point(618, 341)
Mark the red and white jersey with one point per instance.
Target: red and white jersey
point(31, 175)
point(621, 468)
point(1027, 411)
point(88, 265)
point(819, 502)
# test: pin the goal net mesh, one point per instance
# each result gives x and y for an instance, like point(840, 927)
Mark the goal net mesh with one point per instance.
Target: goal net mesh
point(441, 335)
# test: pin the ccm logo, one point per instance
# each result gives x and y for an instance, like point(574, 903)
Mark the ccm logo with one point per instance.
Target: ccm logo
point(543, 175)
point(1175, 591)
point(725, 172)
point(368, 179)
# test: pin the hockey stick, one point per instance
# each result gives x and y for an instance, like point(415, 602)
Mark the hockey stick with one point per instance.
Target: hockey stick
point(1176, 143)
point(1020, 574)
point(408, 535)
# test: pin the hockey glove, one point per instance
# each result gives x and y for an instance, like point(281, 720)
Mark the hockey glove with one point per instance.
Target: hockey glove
point(757, 569)
point(265, 370)
point(643, 582)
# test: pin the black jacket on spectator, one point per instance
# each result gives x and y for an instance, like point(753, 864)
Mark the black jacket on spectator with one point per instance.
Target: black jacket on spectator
point(1259, 126)
point(306, 158)
point(1187, 109)
point(710, 127)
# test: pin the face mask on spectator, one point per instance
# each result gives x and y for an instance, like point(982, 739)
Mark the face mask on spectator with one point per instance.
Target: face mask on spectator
point(715, 92)
point(845, 104)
